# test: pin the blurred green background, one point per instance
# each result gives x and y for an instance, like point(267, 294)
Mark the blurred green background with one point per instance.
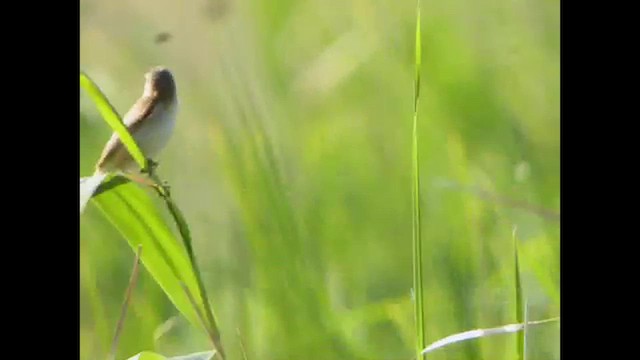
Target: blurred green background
point(291, 161)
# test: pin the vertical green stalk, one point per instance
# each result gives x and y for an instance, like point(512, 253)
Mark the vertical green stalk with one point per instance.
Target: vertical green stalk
point(520, 306)
point(211, 325)
point(417, 239)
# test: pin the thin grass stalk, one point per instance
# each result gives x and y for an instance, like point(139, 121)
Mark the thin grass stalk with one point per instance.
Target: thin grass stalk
point(133, 280)
point(417, 238)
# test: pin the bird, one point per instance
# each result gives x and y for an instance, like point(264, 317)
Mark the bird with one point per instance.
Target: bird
point(150, 121)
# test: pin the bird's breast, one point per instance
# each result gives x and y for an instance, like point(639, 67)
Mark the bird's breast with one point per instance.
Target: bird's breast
point(152, 137)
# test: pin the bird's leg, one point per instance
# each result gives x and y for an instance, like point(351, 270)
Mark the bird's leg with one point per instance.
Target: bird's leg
point(152, 164)
point(144, 180)
point(165, 187)
point(140, 179)
point(151, 167)
point(151, 179)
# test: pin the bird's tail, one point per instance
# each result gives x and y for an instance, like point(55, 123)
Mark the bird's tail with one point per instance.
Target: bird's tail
point(88, 186)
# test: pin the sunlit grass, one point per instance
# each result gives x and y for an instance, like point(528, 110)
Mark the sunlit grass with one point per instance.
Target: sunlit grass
point(291, 165)
point(417, 239)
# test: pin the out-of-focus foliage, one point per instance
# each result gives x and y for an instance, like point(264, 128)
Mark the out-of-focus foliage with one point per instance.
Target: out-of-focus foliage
point(291, 161)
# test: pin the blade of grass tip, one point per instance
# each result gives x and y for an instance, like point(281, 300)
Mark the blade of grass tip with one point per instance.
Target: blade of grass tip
point(479, 333)
point(214, 337)
point(125, 305)
point(112, 118)
point(164, 328)
point(417, 239)
point(519, 295)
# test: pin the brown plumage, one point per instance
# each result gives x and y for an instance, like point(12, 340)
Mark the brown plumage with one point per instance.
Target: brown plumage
point(150, 121)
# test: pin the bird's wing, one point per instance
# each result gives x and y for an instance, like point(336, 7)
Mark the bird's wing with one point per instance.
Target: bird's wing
point(114, 151)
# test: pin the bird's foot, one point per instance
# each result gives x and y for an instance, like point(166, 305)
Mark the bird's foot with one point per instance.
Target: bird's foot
point(150, 168)
point(166, 189)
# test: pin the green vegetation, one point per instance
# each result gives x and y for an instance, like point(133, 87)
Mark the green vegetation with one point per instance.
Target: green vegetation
point(291, 164)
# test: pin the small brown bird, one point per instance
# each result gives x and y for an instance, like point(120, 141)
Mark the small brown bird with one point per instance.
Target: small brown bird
point(150, 122)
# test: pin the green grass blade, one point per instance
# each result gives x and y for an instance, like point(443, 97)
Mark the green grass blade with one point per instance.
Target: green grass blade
point(480, 333)
point(210, 323)
point(186, 235)
point(135, 216)
point(204, 355)
point(112, 118)
point(417, 239)
point(519, 297)
point(418, 60)
point(148, 355)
